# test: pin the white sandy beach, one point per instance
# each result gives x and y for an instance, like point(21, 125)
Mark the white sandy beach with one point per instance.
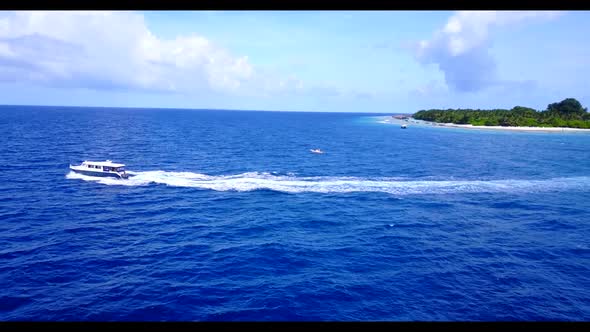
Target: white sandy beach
point(468, 126)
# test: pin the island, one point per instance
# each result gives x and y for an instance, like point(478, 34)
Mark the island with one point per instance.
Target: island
point(568, 114)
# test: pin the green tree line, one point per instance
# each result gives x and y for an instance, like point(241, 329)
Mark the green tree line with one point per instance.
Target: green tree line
point(566, 113)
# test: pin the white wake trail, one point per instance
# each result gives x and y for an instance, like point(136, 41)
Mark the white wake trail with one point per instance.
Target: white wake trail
point(292, 184)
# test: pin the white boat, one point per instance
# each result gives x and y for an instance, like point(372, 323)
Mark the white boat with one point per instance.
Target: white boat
point(404, 126)
point(316, 151)
point(101, 168)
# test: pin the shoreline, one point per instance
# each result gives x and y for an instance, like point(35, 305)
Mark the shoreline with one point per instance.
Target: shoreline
point(469, 126)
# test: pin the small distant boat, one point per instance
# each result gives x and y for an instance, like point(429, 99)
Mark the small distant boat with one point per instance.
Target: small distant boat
point(404, 126)
point(101, 168)
point(316, 151)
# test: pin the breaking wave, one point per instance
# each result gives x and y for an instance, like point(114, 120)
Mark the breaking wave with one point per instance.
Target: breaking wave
point(293, 184)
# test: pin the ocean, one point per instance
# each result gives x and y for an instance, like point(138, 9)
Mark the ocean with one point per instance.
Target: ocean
point(230, 217)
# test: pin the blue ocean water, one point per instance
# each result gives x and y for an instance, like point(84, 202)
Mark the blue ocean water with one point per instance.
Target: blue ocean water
point(229, 217)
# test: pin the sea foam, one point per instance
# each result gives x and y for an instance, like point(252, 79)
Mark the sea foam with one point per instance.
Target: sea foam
point(331, 184)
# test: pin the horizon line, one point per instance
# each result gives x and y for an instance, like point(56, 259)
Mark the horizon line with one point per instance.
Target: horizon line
point(193, 109)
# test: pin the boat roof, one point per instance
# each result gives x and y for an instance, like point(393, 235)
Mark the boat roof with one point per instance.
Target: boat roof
point(104, 163)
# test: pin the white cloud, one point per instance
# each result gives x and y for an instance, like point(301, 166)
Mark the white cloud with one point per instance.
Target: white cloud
point(117, 51)
point(432, 88)
point(460, 48)
point(112, 50)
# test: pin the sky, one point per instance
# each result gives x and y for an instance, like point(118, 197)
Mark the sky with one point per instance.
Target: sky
point(323, 61)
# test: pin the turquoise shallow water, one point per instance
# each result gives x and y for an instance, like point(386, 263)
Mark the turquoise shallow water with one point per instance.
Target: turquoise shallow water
point(230, 217)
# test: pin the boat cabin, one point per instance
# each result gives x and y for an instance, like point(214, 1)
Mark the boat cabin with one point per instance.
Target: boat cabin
point(105, 166)
point(101, 168)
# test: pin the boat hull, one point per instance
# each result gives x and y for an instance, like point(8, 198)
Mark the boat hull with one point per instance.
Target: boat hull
point(101, 174)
